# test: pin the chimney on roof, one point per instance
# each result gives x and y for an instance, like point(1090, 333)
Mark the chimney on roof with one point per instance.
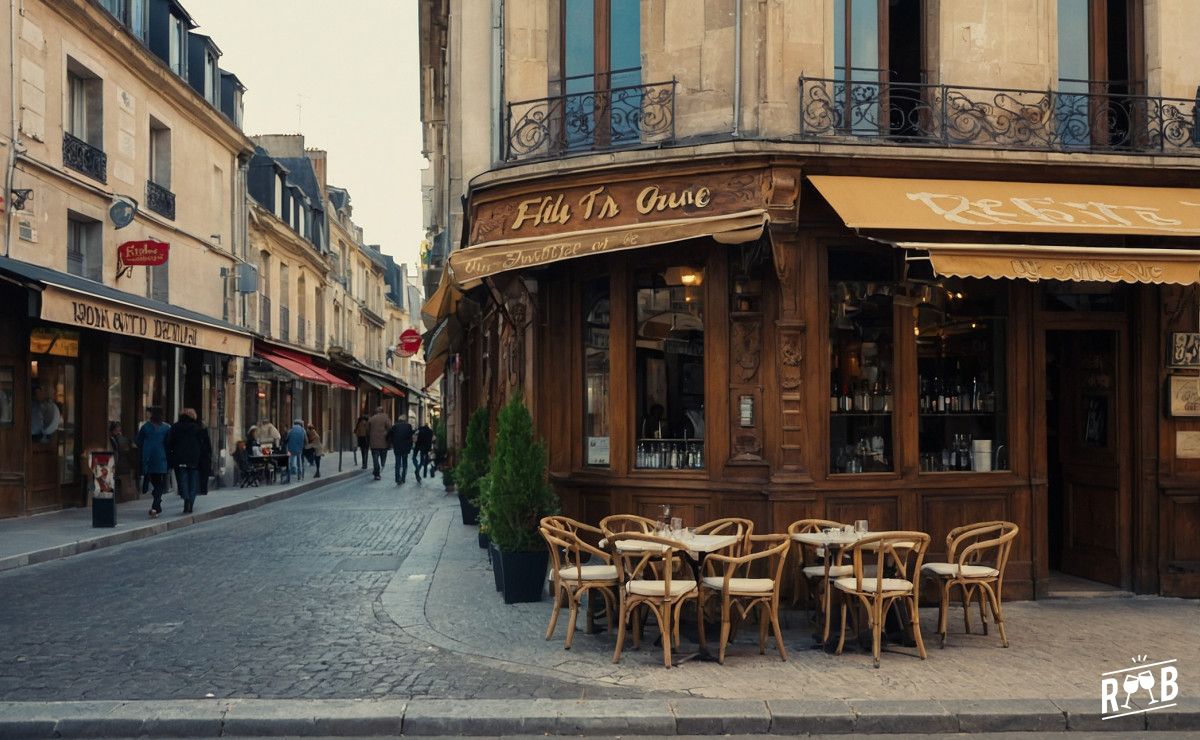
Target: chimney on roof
point(318, 159)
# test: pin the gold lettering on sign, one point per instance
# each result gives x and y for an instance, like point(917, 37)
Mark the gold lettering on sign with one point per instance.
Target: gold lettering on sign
point(1088, 270)
point(608, 206)
point(1046, 211)
point(652, 199)
point(544, 210)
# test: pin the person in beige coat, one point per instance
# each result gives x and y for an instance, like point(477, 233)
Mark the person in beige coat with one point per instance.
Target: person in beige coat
point(377, 429)
point(313, 448)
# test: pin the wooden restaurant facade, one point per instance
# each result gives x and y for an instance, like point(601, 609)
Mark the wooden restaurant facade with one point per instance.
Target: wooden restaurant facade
point(784, 336)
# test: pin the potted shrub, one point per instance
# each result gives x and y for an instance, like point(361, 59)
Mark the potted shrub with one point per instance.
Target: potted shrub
point(517, 497)
point(472, 466)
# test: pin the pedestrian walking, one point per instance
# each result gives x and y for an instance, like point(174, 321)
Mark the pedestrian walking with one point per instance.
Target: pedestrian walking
point(313, 449)
point(151, 439)
point(422, 445)
point(185, 444)
point(377, 429)
point(401, 438)
point(360, 436)
point(204, 472)
point(296, 438)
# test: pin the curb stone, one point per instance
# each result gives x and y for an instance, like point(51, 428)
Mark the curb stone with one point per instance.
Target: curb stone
point(474, 717)
point(57, 552)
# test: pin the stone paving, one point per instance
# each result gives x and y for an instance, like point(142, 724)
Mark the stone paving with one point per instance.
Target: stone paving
point(279, 602)
point(1058, 649)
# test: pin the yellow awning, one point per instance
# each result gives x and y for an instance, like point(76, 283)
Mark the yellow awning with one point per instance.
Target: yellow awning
point(1083, 264)
point(996, 206)
point(469, 266)
point(442, 303)
point(434, 369)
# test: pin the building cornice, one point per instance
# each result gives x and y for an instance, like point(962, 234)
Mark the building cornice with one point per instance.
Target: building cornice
point(103, 30)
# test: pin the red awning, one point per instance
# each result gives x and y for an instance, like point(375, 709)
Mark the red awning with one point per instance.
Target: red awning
point(301, 366)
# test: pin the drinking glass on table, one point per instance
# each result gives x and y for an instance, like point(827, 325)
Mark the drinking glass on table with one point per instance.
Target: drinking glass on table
point(860, 526)
point(676, 527)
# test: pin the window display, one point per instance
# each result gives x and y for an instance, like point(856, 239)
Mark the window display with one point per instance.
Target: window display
point(596, 314)
point(861, 339)
point(961, 394)
point(669, 352)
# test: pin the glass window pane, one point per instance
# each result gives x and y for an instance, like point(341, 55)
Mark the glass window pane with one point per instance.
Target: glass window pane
point(1073, 39)
point(962, 397)
point(864, 34)
point(625, 42)
point(596, 371)
point(669, 357)
point(579, 45)
point(861, 341)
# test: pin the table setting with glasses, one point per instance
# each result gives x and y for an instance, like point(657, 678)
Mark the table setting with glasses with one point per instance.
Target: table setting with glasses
point(830, 542)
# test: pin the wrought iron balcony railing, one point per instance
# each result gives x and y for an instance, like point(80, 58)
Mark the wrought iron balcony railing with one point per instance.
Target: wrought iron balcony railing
point(83, 157)
point(594, 120)
point(1083, 117)
point(160, 200)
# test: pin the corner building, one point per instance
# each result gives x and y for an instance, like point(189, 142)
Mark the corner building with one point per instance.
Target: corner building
point(920, 263)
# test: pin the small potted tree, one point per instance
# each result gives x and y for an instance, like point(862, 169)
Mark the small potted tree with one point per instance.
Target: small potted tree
point(472, 466)
point(518, 496)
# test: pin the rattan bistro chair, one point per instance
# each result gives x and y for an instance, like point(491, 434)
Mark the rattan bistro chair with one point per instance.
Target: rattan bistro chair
point(657, 589)
point(901, 550)
point(577, 569)
point(810, 565)
point(743, 528)
point(737, 589)
point(976, 558)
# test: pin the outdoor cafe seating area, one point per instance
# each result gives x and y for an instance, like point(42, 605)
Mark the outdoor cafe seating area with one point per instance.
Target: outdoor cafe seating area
point(702, 584)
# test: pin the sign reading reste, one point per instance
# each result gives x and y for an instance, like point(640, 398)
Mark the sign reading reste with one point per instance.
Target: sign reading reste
point(147, 253)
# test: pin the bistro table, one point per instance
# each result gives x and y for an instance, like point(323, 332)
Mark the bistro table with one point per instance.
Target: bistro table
point(830, 545)
point(270, 463)
point(695, 548)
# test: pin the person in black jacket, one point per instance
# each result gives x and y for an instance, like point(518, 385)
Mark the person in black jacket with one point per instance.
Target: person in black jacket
point(204, 471)
point(401, 438)
point(185, 445)
point(422, 445)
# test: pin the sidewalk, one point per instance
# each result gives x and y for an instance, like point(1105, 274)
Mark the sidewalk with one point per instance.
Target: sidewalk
point(59, 534)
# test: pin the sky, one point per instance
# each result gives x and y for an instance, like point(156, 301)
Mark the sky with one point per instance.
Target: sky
point(346, 75)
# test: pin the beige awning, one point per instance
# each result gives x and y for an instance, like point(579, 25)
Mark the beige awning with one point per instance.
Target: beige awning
point(1040, 262)
point(442, 303)
point(996, 206)
point(434, 369)
point(469, 266)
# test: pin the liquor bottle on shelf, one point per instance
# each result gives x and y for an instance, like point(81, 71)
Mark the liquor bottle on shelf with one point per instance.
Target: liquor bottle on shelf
point(887, 394)
point(844, 402)
point(923, 394)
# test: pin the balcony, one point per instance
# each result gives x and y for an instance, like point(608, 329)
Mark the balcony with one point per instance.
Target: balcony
point(160, 200)
point(284, 323)
point(591, 120)
point(83, 157)
point(264, 316)
point(1083, 117)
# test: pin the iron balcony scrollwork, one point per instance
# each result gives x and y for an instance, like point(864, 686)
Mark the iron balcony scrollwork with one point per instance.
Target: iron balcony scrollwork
point(1086, 116)
point(83, 157)
point(160, 200)
point(594, 120)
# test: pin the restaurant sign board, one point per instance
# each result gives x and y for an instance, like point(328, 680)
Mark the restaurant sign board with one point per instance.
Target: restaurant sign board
point(410, 342)
point(141, 253)
point(87, 311)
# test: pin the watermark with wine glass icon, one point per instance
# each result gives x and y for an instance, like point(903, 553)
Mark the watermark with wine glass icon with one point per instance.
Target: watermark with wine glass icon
point(1139, 682)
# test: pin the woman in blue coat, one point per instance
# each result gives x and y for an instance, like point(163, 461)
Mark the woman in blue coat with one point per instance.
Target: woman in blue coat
point(151, 440)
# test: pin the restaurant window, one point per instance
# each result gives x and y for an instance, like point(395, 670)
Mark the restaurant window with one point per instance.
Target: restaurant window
point(862, 371)
point(54, 377)
point(596, 370)
point(669, 361)
point(601, 50)
point(962, 401)
point(85, 248)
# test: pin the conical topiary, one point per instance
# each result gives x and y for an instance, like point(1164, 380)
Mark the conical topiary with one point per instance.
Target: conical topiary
point(473, 462)
point(518, 495)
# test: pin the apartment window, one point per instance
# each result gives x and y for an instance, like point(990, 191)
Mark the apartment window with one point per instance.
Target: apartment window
point(160, 154)
point(279, 205)
point(210, 78)
point(1100, 50)
point(878, 51)
point(177, 43)
point(301, 305)
point(116, 8)
point(85, 112)
point(85, 247)
point(137, 18)
point(158, 283)
point(601, 50)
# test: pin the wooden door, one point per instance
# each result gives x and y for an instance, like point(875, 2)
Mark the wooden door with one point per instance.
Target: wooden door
point(1093, 453)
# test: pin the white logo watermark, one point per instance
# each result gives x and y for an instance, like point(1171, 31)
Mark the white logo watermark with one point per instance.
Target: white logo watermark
point(1139, 683)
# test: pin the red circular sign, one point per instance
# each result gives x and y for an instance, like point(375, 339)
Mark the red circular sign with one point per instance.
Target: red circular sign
point(410, 342)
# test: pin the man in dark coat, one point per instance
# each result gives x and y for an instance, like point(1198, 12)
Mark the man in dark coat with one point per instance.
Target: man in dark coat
point(401, 437)
point(422, 445)
point(377, 429)
point(185, 445)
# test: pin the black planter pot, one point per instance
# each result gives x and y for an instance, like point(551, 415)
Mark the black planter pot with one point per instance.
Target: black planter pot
point(484, 540)
point(497, 565)
point(523, 575)
point(470, 512)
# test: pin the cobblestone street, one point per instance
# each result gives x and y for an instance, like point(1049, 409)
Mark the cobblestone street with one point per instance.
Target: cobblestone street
point(280, 602)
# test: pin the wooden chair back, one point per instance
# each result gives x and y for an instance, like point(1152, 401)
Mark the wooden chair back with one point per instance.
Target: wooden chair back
point(638, 564)
point(806, 555)
point(986, 543)
point(769, 548)
point(568, 551)
point(903, 550)
point(742, 528)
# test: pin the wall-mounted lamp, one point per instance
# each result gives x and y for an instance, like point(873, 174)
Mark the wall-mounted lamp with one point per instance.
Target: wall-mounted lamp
point(19, 196)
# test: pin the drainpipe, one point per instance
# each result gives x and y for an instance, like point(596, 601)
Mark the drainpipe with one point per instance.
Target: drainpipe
point(10, 168)
point(737, 69)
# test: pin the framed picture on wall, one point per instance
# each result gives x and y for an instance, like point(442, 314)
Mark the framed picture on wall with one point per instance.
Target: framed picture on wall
point(1185, 349)
point(1183, 395)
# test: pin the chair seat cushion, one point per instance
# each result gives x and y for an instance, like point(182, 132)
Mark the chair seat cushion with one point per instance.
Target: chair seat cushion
point(658, 588)
point(869, 585)
point(951, 569)
point(589, 573)
point(740, 585)
point(836, 571)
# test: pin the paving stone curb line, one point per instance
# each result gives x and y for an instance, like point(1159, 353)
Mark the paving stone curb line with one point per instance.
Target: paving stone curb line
point(442, 717)
point(87, 544)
